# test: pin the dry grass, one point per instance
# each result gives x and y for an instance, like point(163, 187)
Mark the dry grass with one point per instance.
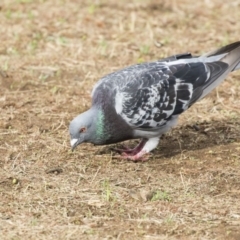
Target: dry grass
point(51, 54)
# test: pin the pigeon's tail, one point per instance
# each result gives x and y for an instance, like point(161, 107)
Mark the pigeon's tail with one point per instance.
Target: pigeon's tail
point(223, 50)
point(232, 58)
point(229, 55)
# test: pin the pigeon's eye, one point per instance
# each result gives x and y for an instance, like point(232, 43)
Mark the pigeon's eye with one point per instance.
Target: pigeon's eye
point(83, 129)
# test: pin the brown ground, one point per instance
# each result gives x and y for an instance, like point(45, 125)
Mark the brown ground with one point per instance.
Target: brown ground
point(51, 54)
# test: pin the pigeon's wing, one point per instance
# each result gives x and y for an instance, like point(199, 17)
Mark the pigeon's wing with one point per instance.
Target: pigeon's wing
point(120, 76)
point(151, 98)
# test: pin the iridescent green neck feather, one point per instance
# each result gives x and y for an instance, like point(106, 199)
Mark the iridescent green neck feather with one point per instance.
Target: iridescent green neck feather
point(100, 125)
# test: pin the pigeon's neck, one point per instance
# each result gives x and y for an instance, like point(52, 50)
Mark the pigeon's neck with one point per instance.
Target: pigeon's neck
point(100, 122)
point(110, 128)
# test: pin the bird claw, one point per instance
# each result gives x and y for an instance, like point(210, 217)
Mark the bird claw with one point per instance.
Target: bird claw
point(123, 149)
point(131, 151)
point(140, 157)
point(135, 154)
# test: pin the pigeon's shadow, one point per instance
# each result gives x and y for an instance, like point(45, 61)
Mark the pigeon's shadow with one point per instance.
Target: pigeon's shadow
point(198, 136)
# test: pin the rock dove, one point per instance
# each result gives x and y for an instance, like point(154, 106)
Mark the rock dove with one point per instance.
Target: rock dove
point(144, 100)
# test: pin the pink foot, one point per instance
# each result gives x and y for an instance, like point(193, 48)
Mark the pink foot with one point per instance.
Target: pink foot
point(125, 151)
point(139, 157)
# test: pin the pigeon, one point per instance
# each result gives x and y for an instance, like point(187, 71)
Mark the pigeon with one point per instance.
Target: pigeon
point(144, 101)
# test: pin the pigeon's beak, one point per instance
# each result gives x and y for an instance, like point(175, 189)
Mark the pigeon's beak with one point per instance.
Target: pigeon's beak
point(74, 142)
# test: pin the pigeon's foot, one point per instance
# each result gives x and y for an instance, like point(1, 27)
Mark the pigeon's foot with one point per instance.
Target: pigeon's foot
point(131, 152)
point(140, 152)
point(139, 157)
point(122, 149)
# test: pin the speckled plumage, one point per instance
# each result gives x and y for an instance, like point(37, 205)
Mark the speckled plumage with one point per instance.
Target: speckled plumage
point(145, 100)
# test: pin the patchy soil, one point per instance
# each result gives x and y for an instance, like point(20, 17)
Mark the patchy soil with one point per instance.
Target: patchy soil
point(51, 54)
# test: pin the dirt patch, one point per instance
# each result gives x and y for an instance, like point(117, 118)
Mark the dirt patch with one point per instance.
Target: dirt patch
point(51, 54)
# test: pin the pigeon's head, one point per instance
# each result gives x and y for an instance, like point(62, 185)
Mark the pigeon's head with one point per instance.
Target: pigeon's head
point(81, 129)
